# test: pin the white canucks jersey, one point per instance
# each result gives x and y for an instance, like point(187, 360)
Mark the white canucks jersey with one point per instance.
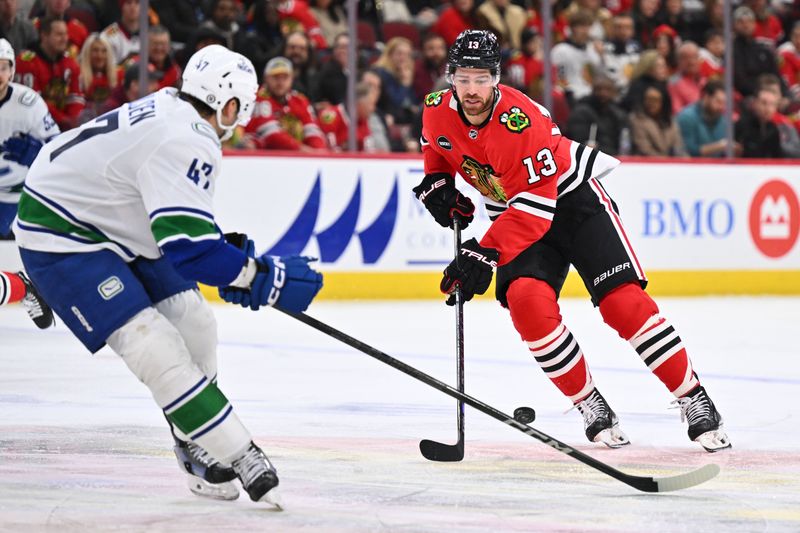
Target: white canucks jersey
point(132, 180)
point(22, 111)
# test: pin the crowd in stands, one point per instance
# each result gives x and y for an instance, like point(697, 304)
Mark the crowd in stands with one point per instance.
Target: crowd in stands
point(633, 77)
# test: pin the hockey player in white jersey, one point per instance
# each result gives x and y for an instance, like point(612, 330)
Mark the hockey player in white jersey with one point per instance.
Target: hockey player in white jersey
point(25, 124)
point(116, 225)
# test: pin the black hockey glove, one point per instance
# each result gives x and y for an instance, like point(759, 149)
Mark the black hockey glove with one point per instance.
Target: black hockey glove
point(439, 194)
point(473, 273)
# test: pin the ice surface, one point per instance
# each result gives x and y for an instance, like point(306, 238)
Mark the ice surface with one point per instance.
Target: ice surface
point(83, 447)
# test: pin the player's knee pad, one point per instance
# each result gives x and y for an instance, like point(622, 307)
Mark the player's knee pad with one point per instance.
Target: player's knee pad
point(154, 351)
point(192, 316)
point(627, 308)
point(534, 309)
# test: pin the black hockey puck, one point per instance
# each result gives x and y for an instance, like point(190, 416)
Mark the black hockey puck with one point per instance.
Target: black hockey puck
point(524, 415)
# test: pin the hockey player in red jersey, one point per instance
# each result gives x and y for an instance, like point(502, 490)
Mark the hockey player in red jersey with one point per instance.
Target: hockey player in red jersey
point(549, 210)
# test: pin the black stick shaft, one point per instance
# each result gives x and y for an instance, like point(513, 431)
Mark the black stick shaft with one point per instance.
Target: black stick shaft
point(459, 334)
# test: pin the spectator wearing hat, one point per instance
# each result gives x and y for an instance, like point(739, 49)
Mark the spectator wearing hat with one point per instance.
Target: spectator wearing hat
point(665, 41)
point(129, 90)
point(283, 119)
point(17, 30)
point(750, 58)
point(76, 30)
point(124, 34)
point(429, 68)
point(504, 19)
point(47, 69)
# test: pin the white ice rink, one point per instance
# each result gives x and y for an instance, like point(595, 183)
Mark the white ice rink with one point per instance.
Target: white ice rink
point(84, 448)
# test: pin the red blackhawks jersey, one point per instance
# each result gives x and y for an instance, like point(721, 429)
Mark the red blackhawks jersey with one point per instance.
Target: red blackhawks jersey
point(57, 80)
point(284, 125)
point(517, 159)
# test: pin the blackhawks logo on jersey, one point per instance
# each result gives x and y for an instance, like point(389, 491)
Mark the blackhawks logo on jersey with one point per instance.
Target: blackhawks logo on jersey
point(434, 99)
point(483, 179)
point(515, 120)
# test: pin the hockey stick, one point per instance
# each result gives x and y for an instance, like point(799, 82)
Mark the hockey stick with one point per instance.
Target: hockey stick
point(431, 449)
point(642, 483)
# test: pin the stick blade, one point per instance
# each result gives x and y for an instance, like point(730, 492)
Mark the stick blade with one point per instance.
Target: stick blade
point(438, 451)
point(672, 483)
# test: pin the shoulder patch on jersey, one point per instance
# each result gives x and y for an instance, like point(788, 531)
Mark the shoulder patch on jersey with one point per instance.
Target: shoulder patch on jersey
point(444, 142)
point(327, 116)
point(27, 55)
point(205, 129)
point(27, 98)
point(434, 99)
point(515, 120)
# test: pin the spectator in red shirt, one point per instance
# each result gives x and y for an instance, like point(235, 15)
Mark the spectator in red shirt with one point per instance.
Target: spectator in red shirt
point(99, 75)
point(685, 85)
point(712, 56)
point(769, 30)
point(76, 31)
point(160, 57)
point(296, 16)
point(789, 61)
point(48, 70)
point(283, 118)
point(129, 90)
point(430, 67)
point(458, 17)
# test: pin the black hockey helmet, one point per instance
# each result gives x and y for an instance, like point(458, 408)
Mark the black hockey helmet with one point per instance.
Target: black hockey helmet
point(475, 49)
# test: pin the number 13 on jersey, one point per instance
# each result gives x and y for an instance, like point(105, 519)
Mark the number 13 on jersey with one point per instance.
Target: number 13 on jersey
point(545, 157)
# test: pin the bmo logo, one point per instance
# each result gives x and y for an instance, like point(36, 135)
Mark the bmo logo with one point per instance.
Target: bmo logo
point(774, 218)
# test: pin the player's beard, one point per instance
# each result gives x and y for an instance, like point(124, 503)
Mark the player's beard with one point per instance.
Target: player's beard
point(474, 108)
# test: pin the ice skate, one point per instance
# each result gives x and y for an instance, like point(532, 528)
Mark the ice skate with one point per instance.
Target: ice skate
point(205, 475)
point(705, 422)
point(37, 308)
point(600, 422)
point(259, 478)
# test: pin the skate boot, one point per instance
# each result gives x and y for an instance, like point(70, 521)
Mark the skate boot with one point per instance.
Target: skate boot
point(206, 476)
point(37, 308)
point(259, 478)
point(600, 422)
point(705, 422)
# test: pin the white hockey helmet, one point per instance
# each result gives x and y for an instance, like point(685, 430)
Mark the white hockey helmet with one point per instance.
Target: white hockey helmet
point(214, 75)
point(7, 52)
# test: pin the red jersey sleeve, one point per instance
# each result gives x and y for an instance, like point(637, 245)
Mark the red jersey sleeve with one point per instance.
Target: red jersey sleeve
point(434, 162)
point(525, 160)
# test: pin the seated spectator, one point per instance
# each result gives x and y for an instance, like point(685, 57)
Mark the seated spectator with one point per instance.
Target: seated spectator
point(396, 11)
point(504, 19)
point(159, 53)
point(181, 17)
point(665, 42)
point(525, 66)
point(331, 82)
point(768, 28)
point(576, 58)
point(99, 75)
point(601, 17)
point(396, 69)
point(262, 39)
point(297, 48)
point(621, 51)
point(331, 18)
point(201, 38)
point(76, 30)
point(703, 123)
point(712, 56)
point(789, 61)
point(787, 130)
point(596, 120)
point(653, 130)
point(685, 84)
point(48, 70)
point(124, 34)
point(750, 58)
point(647, 16)
point(129, 90)
point(650, 71)
point(370, 130)
point(430, 66)
point(221, 18)
point(755, 129)
point(283, 119)
point(16, 29)
point(454, 19)
point(295, 16)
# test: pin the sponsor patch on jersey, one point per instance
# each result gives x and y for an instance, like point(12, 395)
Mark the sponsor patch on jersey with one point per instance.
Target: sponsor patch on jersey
point(110, 287)
point(515, 120)
point(434, 99)
point(444, 142)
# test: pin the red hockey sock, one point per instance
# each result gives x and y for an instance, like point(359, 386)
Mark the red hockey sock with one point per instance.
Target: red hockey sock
point(12, 289)
point(634, 315)
point(536, 316)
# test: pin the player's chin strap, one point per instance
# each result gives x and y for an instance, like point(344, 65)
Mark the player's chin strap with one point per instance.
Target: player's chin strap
point(642, 483)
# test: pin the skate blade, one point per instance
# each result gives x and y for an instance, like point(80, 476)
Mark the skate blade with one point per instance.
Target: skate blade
point(217, 491)
point(612, 437)
point(714, 441)
point(273, 497)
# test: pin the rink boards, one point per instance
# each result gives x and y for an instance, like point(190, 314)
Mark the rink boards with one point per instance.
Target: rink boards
point(696, 228)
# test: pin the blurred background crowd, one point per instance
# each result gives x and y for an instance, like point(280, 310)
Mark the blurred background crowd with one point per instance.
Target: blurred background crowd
point(633, 77)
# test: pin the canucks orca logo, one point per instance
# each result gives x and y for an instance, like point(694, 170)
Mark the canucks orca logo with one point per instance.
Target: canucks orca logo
point(483, 179)
point(515, 120)
point(333, 240)
point(434, 99)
